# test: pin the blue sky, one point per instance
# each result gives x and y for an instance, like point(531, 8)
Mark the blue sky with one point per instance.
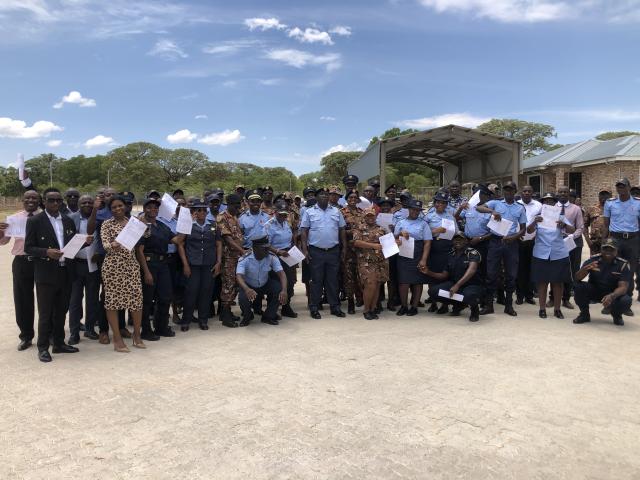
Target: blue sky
point(279, 83)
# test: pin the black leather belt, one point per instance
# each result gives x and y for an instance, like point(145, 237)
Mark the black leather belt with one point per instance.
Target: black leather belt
point(25, 258)
point(324, 249)
point(623, 235)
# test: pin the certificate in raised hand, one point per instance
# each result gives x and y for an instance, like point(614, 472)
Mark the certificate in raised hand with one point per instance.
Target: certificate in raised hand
point(17, 226)
point(389, 245)
point(71, 249)
point(450, 226)
point(499, 228)
point(185, 221)
point(550, 215)
point(131, 233)
point(294, 258)
point(167, 207)
point(406, 247)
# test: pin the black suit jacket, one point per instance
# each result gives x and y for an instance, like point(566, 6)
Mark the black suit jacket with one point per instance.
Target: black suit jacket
point(39, 238)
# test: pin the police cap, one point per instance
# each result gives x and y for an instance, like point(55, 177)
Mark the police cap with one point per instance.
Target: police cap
point(413, 203)
point(260, 241)
point(510, 185)
point(623, 181)
point(307, 191)
point(609, 243)
point(391, 187)
point(128, 197)
point(386, 200)
point(149, 200)
point(441, 197)
point(234, 198)
point(350, 179)
point(254, 195)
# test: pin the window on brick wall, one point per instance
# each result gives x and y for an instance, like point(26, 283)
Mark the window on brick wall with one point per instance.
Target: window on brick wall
point(536, 183)
point(575, 182)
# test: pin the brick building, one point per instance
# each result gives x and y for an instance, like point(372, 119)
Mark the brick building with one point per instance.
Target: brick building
point(587, 167)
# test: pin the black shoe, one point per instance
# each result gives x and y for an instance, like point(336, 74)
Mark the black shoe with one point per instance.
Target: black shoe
point(64, 348)
point(351, 309)
point(617, 320)
point(184, 328)
point(245, 321)
point(91, 334)
point(269, 321)
point(508, 309)
point(44, 356)
point(287, 311)
point(391, 307)
point(558, 314)
point(167, 332)
point(455, 312)
point(433, 308)
point(530, 301)
point(628, 312)
point(378, 309)
point(338, 313)
point(582, 318)
point(82, 327)
point(444, 308)
point(315, 314)
point(567, 304)
point(24, 344)
point(412, 311)
point(402, 311)
point(368, 316)
point(74, 339)
point(487, 309)
point(542, 313)
point(204, 326)
point(150, 336)
point(519, 300)
point(475, 314)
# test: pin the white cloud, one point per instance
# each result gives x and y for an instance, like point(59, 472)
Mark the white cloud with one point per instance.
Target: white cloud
point(352, 147)
point(264, 24)
point(11, 128)
point(181, 136)
point(54, 143)
point(167, 49)
point(462, 119)
point(341, 30)
point(201, 117)
point(224, 138)
point(230, 47)
point(508, 11)
point(327, 118)
point(76, 98)
point(99, 141)
point(36, 7)
point(270, 82)
point(301, 59)
point(310, 35)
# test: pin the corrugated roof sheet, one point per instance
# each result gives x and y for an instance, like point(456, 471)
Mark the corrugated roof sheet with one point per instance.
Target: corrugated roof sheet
point(586, 151)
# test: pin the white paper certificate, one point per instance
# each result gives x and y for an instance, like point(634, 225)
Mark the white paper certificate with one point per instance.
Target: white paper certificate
point(499, 228)
point(456, 296)
point(406, 247)
point(185, 221)
point(570, 243)
point(91, 251)
point(550, 216)
point(74, 245)
point(474, 200)
point(450, 225)
point(17, 226)
point(131, 233)
point(294, 258)
point(168, 207)
point(20, 164)
point(383, 220)
point(389, 245)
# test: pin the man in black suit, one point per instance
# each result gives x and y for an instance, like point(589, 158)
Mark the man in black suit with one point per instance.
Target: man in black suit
point(47, 233)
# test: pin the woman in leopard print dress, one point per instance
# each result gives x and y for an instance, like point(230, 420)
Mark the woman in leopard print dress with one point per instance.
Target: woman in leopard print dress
point(120, 277)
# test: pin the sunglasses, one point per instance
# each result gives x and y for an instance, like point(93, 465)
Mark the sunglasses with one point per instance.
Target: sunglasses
point(54, 200)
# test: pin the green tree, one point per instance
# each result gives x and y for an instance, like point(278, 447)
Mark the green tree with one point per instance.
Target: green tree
point(334, 165)
point(532, 135)
point(136, 166)
point(392, 132)
point(180, 163)
point(313, 179)
point(613, 135)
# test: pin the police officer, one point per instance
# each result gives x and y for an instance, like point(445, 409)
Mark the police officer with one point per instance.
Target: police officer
point(462, 276)
point(323, 231)
point(173, 261)
point(254, 281)
point(504, 249)
point(232, 239)
point(151, 253)
point(281, 237)
point(253, 221)
point(350, 183)
point(609, 279)
point(621, 217)
point(201, 256)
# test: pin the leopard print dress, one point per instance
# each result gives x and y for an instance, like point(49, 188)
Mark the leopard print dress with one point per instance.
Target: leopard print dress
point(120, 272)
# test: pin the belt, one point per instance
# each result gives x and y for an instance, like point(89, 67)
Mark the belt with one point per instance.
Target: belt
point(324, 249)
point(623, 235)
point(25, 258)
point(152, 257)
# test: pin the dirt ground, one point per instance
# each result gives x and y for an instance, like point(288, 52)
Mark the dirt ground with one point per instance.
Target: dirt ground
point(421, 397)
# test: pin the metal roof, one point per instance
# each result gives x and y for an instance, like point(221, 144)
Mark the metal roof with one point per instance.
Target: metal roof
point(586, 151)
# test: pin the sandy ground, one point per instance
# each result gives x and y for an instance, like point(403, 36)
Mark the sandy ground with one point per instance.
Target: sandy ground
point(422, 397)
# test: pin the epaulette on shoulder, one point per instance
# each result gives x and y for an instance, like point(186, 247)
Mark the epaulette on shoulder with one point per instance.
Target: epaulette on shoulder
point(245, 255)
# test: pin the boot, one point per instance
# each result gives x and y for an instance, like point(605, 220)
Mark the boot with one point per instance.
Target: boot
point(487, 309)
point(508, 306)
point(227, 318)
point(475, 314)
point(351, 308)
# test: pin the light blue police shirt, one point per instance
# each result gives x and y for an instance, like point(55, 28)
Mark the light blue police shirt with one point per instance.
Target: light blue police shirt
point(549, 244)
point(623, 216)
point(280, 234)
point(323, 226)
point(418, 228)
point(434, 219)
point(253, 226)
point(509, 211)
point(256, 272)
point(475, 223)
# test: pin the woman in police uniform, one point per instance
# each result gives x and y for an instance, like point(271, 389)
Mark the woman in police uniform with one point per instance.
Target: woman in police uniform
point(410, 270)
point(353, 216)
point(373, 268)
point(201, 256)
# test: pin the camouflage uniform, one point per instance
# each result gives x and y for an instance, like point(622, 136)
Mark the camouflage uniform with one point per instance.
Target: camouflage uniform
point(595, 221)
point(371, 263)
point(228, 226)
point(355, 221)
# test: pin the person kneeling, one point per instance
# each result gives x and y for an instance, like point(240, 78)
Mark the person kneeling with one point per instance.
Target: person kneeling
point(609, 278)
point(462, 277)
point(252, 275)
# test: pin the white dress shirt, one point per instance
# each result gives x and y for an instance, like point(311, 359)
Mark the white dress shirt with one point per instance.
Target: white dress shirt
point(532, 209)
point(58, 227)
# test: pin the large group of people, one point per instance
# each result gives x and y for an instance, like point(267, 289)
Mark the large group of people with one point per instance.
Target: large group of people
point(236, 255)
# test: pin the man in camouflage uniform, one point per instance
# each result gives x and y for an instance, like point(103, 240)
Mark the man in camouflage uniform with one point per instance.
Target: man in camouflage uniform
point(594, 223)
point(232, 250)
